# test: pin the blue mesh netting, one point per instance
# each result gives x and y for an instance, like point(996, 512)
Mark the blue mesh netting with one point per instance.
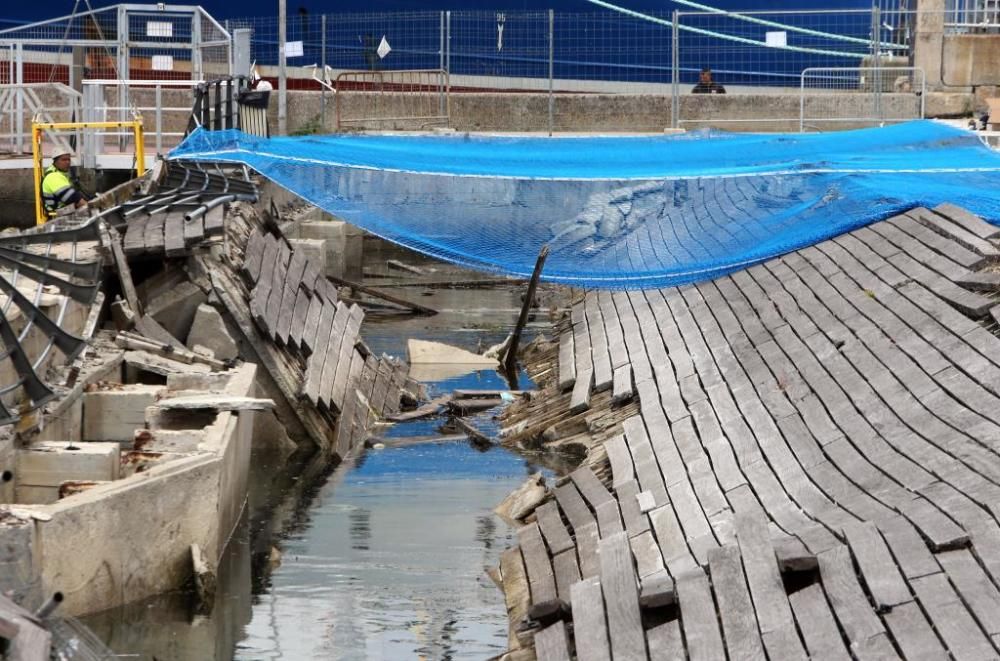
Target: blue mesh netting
point(622, 212)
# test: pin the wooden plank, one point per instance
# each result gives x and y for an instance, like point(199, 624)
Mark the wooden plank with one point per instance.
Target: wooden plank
point(586, 547)
point(962, 636)
point(912, 555)
point(857, 618)
point(580, 399)
point(551, 525)
point(774, 613)
point(339, 388)
point(310, 332)
point(739, 622)
point(885, 583)
point(817, 624)
point(124, 272)
point(936, 242)
point(552, 643)
point(153, 237)
point(603, 373)
point(515, 591)
point(173, 234)
point(590, 628)
point(193, 230)
point(609, 520)
point(622, 390)
point(300, 313)
point(974, 587)
point(215, 220)
point(621, 597)
point(253, 255)
point(913, 633)
point(648, 560)
point(290, 290)
point(621, 461)
point(956, 233)
point(278, 287)
point(635, 521)
point(666, 643)
point(590, 487)
point(698, 616)
point(314, 367)
point(134, 239)
point(567, 571)
point(968, 221)
point(540, 575)
point(670, 537)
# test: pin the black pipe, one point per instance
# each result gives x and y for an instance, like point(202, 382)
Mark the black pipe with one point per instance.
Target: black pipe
point(49, 606)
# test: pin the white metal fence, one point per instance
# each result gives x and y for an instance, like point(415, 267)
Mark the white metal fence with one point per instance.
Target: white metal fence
point(853, 97)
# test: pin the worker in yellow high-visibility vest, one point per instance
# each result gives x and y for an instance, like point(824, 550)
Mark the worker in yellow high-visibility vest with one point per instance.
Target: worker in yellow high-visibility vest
point(58, 191)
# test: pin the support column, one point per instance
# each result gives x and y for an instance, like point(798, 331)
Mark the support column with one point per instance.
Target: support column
point(928, 40)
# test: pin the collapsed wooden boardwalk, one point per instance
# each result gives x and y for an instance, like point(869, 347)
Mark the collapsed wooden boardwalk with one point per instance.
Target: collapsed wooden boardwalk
point(814, 470)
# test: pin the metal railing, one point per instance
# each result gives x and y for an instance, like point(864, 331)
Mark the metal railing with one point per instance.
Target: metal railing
point(392, 99)
point(972, 16)
point(853, 97)
point(45, 102)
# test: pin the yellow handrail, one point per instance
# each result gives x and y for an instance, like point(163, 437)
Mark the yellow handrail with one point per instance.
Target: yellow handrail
point(37, 128)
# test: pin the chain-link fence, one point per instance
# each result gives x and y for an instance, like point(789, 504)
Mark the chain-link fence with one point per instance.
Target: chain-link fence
point(607, 70)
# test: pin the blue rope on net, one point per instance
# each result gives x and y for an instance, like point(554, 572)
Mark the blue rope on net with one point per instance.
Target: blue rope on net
point(620, 212)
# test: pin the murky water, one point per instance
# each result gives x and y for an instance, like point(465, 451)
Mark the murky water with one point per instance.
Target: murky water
point(384, 558)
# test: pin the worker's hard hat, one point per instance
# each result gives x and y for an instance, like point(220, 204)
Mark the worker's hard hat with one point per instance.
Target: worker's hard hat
point(56, 157)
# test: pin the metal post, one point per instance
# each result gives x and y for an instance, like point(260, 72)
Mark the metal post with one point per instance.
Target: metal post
point(123, 69)
point(282, 71)
point(19, 97)
point(197, 65)
point(447, 53)
point(322, 71)
point(510, 358)
point(876, 60)
point(441, 108)
point(675, 72)
point(552, 24)
point(159, 120)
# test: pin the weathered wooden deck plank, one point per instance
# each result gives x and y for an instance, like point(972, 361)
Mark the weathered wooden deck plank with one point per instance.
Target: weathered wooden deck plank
point(884, 582)
point(567, 362)
point(590, 627)
point(603, 372)
point(551, 524)
point(666, 642)
point(816, 622)
point(133, 243)
point(621, 597)
point(541, 578)
point(173, 234)
point(567, 571)
point(936, 242)
point(552, 643)
point(739, 622)
point(774, 614)
point(913, 633)
point(698, 616)
point(968, 221)
point(974, 587)
point(956, 626)
point(865, 631)
point(153, 236)
point(956, 233)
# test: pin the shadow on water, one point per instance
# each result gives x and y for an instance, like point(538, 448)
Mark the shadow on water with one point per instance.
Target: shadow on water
point(380, 558)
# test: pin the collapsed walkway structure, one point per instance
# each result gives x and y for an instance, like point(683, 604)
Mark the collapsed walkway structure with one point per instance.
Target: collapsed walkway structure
point(813, 469)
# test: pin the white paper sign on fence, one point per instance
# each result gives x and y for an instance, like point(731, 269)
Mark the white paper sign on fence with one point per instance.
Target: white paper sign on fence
point(776, 39)
point(293, 49)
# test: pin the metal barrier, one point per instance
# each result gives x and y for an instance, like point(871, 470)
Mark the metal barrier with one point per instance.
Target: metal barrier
point(409, 99)
point(972, 16)
point(47, 102)
point(853, 97)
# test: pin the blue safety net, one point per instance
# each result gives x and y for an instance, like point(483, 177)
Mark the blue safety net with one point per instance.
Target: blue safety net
point(620, 212)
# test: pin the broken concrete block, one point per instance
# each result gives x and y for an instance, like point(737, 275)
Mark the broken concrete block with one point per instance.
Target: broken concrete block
point(175, 308)
point(208, 330)
point(49, 464)
point(523, 501)
point(422, 351)
point(193, 381)
point(114, 415)
point(67, 426)
point(315, 251)
point(167, 440)
point(332, 233)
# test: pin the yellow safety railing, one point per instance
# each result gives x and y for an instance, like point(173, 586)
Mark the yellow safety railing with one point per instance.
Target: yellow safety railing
point(37, 128)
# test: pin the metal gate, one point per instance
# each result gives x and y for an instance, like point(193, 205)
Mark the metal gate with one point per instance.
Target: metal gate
point(855, 97)
point(400, 100)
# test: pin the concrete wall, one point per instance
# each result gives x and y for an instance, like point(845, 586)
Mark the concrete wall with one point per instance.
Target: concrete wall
point(131, 538)
point(971, 60)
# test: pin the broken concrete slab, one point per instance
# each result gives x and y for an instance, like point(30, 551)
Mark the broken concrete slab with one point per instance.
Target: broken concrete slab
point(215, 402)
point(145, 361)
point(175, 308)
point(425, 352)
point(42, 467)
point(208, 330)
point(114, 415)
point(523, 501)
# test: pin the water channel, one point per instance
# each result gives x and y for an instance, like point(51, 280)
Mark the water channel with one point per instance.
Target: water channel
point(383, 557)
